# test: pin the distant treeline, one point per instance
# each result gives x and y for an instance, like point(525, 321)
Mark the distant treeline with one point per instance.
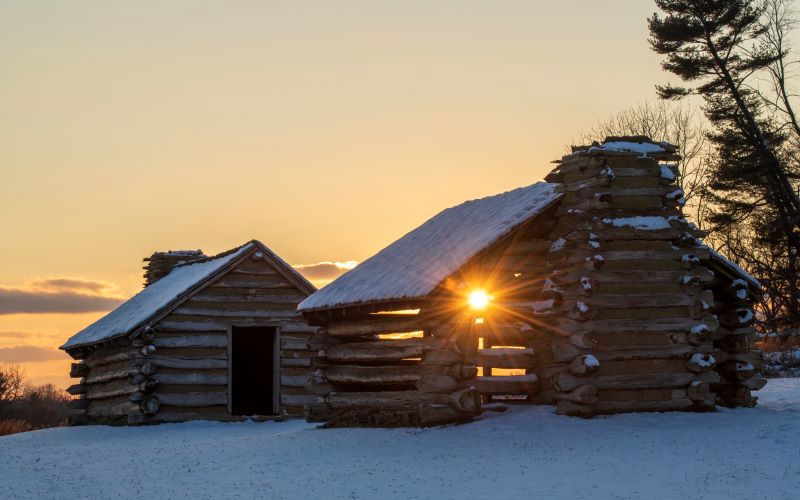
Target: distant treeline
point(25, 407)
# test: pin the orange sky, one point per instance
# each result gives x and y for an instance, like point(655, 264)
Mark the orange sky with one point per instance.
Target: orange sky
point(324, 129)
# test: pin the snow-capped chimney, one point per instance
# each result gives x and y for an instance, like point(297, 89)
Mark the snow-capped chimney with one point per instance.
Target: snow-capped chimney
point(161, 263)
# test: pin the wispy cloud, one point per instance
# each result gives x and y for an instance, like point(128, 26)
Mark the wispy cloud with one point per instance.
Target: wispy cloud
point(72, 284)
point(322, 273)
point(58, 295)
point(29, 354)
point(325, 270)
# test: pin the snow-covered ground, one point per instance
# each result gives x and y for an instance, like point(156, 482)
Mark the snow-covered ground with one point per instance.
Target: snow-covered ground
point(525, 453)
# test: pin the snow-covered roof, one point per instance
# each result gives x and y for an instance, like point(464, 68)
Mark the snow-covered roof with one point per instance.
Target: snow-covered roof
point(734, 268)
point(417, 263)
point(157, 297)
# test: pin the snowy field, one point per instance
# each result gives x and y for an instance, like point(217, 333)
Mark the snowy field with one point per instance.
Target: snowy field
point(525, 453)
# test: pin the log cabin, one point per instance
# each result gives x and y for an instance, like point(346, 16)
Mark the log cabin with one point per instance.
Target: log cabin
point(214, 338)
point(589, 291)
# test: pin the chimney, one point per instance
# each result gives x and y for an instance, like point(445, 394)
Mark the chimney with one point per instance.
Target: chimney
point(161, 263)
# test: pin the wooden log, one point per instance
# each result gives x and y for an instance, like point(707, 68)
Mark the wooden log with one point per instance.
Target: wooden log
point(698, 390)
point(442, 357)
point(564, 351)
point(565, 381)
point(504, 358)
point(101, 359)
point(631, 277)
point(107, 372)
point(755, 383)
point(610, 407)
point(193, 398)
point(380, 350)
point(298, 399)
point(435, 383)
point(76, 389)
point(189, 363)
point(737, 318)
point(634, 325)
point(585, 364)
point(295, 380)
point(735, 395)
point(735, 370)
point(111, 389)
point(192, 341)
point(78, 370)
point(111, 408)
point(376, 326)
point(735, 343)
point(150, 406)
point(198, 378)
point(516, 384)
point(235, 313)
point(466, 400)
point(701, 362)
point(584, 395)
point(372, 375)
point(599, 299)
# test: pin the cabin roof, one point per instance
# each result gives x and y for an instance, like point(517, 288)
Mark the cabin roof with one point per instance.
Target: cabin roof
point(413, 266)
point(169, 291)
point(732, 268)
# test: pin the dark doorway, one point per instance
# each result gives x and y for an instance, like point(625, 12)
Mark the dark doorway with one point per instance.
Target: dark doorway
point(252, 363)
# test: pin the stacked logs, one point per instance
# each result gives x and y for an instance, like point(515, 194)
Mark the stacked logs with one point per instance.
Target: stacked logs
point(626, 291)
point(364, 380)
point(738, 365)
point(159, 264)
point(103, 388)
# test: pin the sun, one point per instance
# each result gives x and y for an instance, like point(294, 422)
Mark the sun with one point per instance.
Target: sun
point(479, 299)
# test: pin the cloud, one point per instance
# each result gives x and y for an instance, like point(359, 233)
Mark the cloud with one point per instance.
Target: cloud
point(29, 354)
point(71, 284)
point(325, 270)
point(58, 295)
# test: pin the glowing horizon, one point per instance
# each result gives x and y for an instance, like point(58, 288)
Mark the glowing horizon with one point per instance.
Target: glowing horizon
point(325, 131)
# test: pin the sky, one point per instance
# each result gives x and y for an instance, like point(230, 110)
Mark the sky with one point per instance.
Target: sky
point(324, 129)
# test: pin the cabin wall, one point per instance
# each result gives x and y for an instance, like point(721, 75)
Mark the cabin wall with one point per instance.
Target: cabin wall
point(737, 363)
point(632, 294)
point(103, 389)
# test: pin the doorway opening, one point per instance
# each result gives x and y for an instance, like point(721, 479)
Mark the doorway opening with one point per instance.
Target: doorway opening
point(252, 365)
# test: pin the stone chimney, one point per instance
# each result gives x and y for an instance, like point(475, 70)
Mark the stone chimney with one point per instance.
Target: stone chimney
point(161, 263)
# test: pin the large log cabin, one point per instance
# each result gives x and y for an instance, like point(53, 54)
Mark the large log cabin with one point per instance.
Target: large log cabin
point(207, 338)
point(590, 291)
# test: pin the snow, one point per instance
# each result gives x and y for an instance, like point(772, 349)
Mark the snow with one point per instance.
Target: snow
point(732, 265)
point(634, 147)
point(703, 360)
point(141, 307)
point(590, 361)
point(745, 315)
point(558, 245)
point(527, 452)
point(646, 222)
point(667, 173)
point(415, 264)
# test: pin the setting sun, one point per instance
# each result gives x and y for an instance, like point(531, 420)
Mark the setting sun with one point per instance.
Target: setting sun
point(479, 299)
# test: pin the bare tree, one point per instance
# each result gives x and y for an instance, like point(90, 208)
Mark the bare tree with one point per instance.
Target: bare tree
point(675, 123)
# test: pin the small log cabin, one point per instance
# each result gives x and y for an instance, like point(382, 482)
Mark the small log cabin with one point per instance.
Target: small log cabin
point(590, 291)
point(207, 338)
